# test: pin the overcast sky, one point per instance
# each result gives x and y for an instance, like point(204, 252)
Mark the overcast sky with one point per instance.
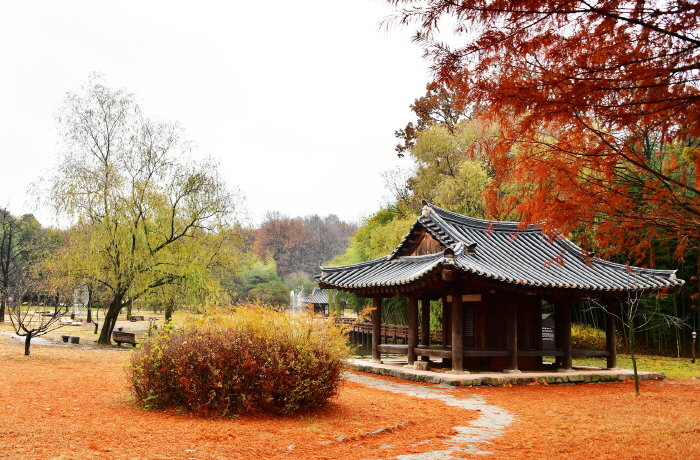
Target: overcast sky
point(297, 100)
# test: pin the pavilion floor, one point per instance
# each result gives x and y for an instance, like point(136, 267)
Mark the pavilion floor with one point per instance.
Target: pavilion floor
point(399, 368)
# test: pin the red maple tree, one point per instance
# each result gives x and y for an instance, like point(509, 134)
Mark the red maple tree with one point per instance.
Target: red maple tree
point(598, 107)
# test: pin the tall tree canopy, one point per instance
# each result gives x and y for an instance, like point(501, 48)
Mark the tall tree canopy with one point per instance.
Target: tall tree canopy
point(283, 239)
point(137, 205)
point(451, 171)
point(23, 245)
point(301, 244)
point(597, 104)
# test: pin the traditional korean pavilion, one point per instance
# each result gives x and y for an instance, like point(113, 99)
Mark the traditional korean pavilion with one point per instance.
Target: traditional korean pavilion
point(492, 279)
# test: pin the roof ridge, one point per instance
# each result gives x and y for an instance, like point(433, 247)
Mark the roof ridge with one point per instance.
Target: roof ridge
point(358, 264)
point(419, 257)
point(486, 223)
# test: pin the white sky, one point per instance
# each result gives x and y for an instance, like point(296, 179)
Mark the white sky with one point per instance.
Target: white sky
point(298, 100)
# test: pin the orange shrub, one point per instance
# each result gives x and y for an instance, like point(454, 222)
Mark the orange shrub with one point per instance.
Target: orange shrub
point(253, 360)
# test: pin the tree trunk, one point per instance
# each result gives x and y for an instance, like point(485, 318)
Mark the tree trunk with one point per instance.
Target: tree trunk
point(2, 310)
point(634, 362)
point(110, 320)
point(89, 305)
point(169, 307)
point(27, 343)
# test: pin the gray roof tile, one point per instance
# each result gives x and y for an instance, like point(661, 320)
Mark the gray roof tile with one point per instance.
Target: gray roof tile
point(316, 296)
point(503, 252)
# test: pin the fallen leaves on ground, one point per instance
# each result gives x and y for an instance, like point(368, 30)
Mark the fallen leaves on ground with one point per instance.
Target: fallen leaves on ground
point(66, 402)
point(63, 402)
point(602, 421)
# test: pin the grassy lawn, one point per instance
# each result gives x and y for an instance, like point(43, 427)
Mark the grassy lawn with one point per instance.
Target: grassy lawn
point(675, 368)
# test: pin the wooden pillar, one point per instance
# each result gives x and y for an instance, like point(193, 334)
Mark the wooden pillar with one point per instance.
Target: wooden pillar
point(538, 330)
point(446, 323)
point(376, 328)
point(610, 342)
point(557, 333)
point(457, 336)
point(563, 308)
point(512, 328)
point(412, 328)
point(425, 325)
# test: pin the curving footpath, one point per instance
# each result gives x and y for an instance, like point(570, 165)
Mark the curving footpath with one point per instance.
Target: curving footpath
point(491, 423)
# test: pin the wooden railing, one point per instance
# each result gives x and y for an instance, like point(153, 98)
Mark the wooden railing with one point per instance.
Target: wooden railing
point(360, 332)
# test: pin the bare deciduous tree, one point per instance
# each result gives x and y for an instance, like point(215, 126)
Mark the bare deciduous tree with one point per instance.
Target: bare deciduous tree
point(31, 321)
point(635, 314)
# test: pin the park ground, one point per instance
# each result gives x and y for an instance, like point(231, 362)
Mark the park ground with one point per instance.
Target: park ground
point(74, 402)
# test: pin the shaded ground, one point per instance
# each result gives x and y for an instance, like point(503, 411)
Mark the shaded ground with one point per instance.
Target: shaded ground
point(66, 402)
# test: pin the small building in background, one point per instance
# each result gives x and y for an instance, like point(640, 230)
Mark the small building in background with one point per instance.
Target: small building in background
point(317, 301)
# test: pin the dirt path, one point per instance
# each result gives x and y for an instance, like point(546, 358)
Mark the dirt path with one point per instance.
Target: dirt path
point(54, 341)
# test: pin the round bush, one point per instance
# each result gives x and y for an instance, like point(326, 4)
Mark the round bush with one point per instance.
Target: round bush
point(253, 360)
point(587, 337)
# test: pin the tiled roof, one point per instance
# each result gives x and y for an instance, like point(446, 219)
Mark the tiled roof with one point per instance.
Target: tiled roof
point(316, 296)
point(498, 251)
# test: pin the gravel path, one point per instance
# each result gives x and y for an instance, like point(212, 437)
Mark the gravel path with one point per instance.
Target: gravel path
point(491, 423)
point(54, 341)
point(35, 340)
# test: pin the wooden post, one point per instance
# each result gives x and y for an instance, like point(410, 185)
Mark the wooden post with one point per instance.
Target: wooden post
point(425, 325)
point(512, 331)
point(412, 328)
point(557, 333)
point(446, 323)
point(610, 342)
point(564, 308)
point(457, 336)
point(376, 328)
point(512, 335)
point(538, 329)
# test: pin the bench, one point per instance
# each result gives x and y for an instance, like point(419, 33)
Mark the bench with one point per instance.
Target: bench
point(124, 337)
point(136, 318)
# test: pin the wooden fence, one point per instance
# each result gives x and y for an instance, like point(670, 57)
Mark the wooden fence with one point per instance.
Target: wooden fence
point(360, 332)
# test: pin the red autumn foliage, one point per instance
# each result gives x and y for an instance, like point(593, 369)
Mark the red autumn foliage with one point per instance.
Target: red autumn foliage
point(252, 361)
point(598, 106)
point(283, 239)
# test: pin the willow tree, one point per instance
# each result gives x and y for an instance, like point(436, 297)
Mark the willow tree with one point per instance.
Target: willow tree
point(131, 194)
point(204, 263)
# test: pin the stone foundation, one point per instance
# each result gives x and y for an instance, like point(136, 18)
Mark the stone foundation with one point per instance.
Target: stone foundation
point(575, 376)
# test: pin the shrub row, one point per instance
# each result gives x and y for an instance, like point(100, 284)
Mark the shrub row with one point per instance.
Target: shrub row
point(253, 360)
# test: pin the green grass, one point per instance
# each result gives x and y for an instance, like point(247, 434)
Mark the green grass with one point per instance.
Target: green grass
point(675, 368)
